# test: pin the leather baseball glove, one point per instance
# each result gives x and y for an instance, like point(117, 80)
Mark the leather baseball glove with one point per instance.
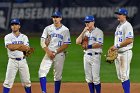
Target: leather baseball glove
point(28, 52)
point(111, 56)
point(84, 42)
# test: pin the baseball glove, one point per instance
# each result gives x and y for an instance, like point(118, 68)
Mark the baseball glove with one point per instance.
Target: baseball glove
point(28, 52)
point(84, 42)
point(111, 56)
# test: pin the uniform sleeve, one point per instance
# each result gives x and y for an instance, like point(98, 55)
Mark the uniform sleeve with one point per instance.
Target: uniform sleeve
point(44, 34)
point(129, 32)
point(7, 40)
point(26, 41)
point(100, 37)
point(67, 39)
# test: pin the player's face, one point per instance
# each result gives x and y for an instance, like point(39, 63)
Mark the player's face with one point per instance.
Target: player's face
point(89, 24)
point(15, 27)
point(120, 17)
point(57, 20)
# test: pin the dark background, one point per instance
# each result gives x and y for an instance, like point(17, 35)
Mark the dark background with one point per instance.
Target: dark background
point(75, 24)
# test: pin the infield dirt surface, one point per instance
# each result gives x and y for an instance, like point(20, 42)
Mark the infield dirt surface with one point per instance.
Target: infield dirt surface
point(75, 88)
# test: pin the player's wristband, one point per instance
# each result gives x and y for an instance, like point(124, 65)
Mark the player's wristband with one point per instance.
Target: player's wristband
point(117, 45)
point(89, 46)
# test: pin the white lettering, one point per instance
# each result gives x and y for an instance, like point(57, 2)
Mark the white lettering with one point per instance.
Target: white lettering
point(69, 12)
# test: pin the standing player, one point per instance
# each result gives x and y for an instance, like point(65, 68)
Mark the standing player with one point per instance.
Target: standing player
point(60, 38)
point(123, 43)
point(16, 43)
point(92, 56)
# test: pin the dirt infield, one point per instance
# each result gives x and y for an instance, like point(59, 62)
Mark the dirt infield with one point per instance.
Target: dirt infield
point(75, 88)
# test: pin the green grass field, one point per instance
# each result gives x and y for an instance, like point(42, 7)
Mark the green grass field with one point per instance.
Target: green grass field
point(73, 68)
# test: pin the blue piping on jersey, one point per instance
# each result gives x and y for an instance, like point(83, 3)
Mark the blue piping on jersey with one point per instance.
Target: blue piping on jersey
point(67, 42)
point(17, 36)
point(100, 42)
point(58, 27)
point(129, 37)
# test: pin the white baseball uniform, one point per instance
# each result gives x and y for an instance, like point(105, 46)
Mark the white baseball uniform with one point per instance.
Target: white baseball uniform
point(59, 36)
point(92, 57)
point(16, 61)
point(123, 31)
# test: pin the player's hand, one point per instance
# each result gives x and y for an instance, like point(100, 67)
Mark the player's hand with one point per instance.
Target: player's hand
point(86, 29)
point(51, 54)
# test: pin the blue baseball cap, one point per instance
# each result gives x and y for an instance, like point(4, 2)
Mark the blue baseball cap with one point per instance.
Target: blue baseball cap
point(122, 11)
point(15, 21)
point(89, 18)
point(56, 14)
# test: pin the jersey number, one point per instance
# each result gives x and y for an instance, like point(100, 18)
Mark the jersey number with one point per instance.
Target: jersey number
point(120, 39)
point(59, 43)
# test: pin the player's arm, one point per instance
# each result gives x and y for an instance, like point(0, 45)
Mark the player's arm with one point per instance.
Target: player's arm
point(66, 42)
point(99, 42)
point(96, 45)
point(46, 49)
point(126, 42)
point(79, 39)
point(19, 47)
point(128, 35)
point(122, 44)
point(62, 48)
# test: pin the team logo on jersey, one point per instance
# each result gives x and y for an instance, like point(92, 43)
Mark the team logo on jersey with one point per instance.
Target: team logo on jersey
point(118, 33)
point(92, 38)
point(57, 35)
point(17, 42)
point(130, 33)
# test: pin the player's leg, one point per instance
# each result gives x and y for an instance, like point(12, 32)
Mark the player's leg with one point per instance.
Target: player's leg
point(96, 72)
point(12, 69)
point(25, 75)
point(43, 71)
point(117, 65)
point(88, 72)
point(58, 68)
point(125, 70)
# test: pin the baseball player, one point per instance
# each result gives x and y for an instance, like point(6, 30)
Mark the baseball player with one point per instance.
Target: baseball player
point(92, 56)
point(123, 43)
point(60, 39)
point(16, 43)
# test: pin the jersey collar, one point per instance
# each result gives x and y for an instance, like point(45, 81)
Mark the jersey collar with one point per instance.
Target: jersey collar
point(15, 35)
point(57, 28)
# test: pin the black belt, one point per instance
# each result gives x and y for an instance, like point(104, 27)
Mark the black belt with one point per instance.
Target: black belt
point(95, 53)
point(18, 59)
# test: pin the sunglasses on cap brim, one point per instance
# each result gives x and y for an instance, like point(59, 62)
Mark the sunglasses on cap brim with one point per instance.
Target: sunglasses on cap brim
point(88, 21)
point(56, 17)
point(15, 24)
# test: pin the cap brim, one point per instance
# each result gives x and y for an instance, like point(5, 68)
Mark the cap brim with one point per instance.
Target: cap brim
point(120, 14)
point(55, 16)
point(88, 20)
point(16, 23)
